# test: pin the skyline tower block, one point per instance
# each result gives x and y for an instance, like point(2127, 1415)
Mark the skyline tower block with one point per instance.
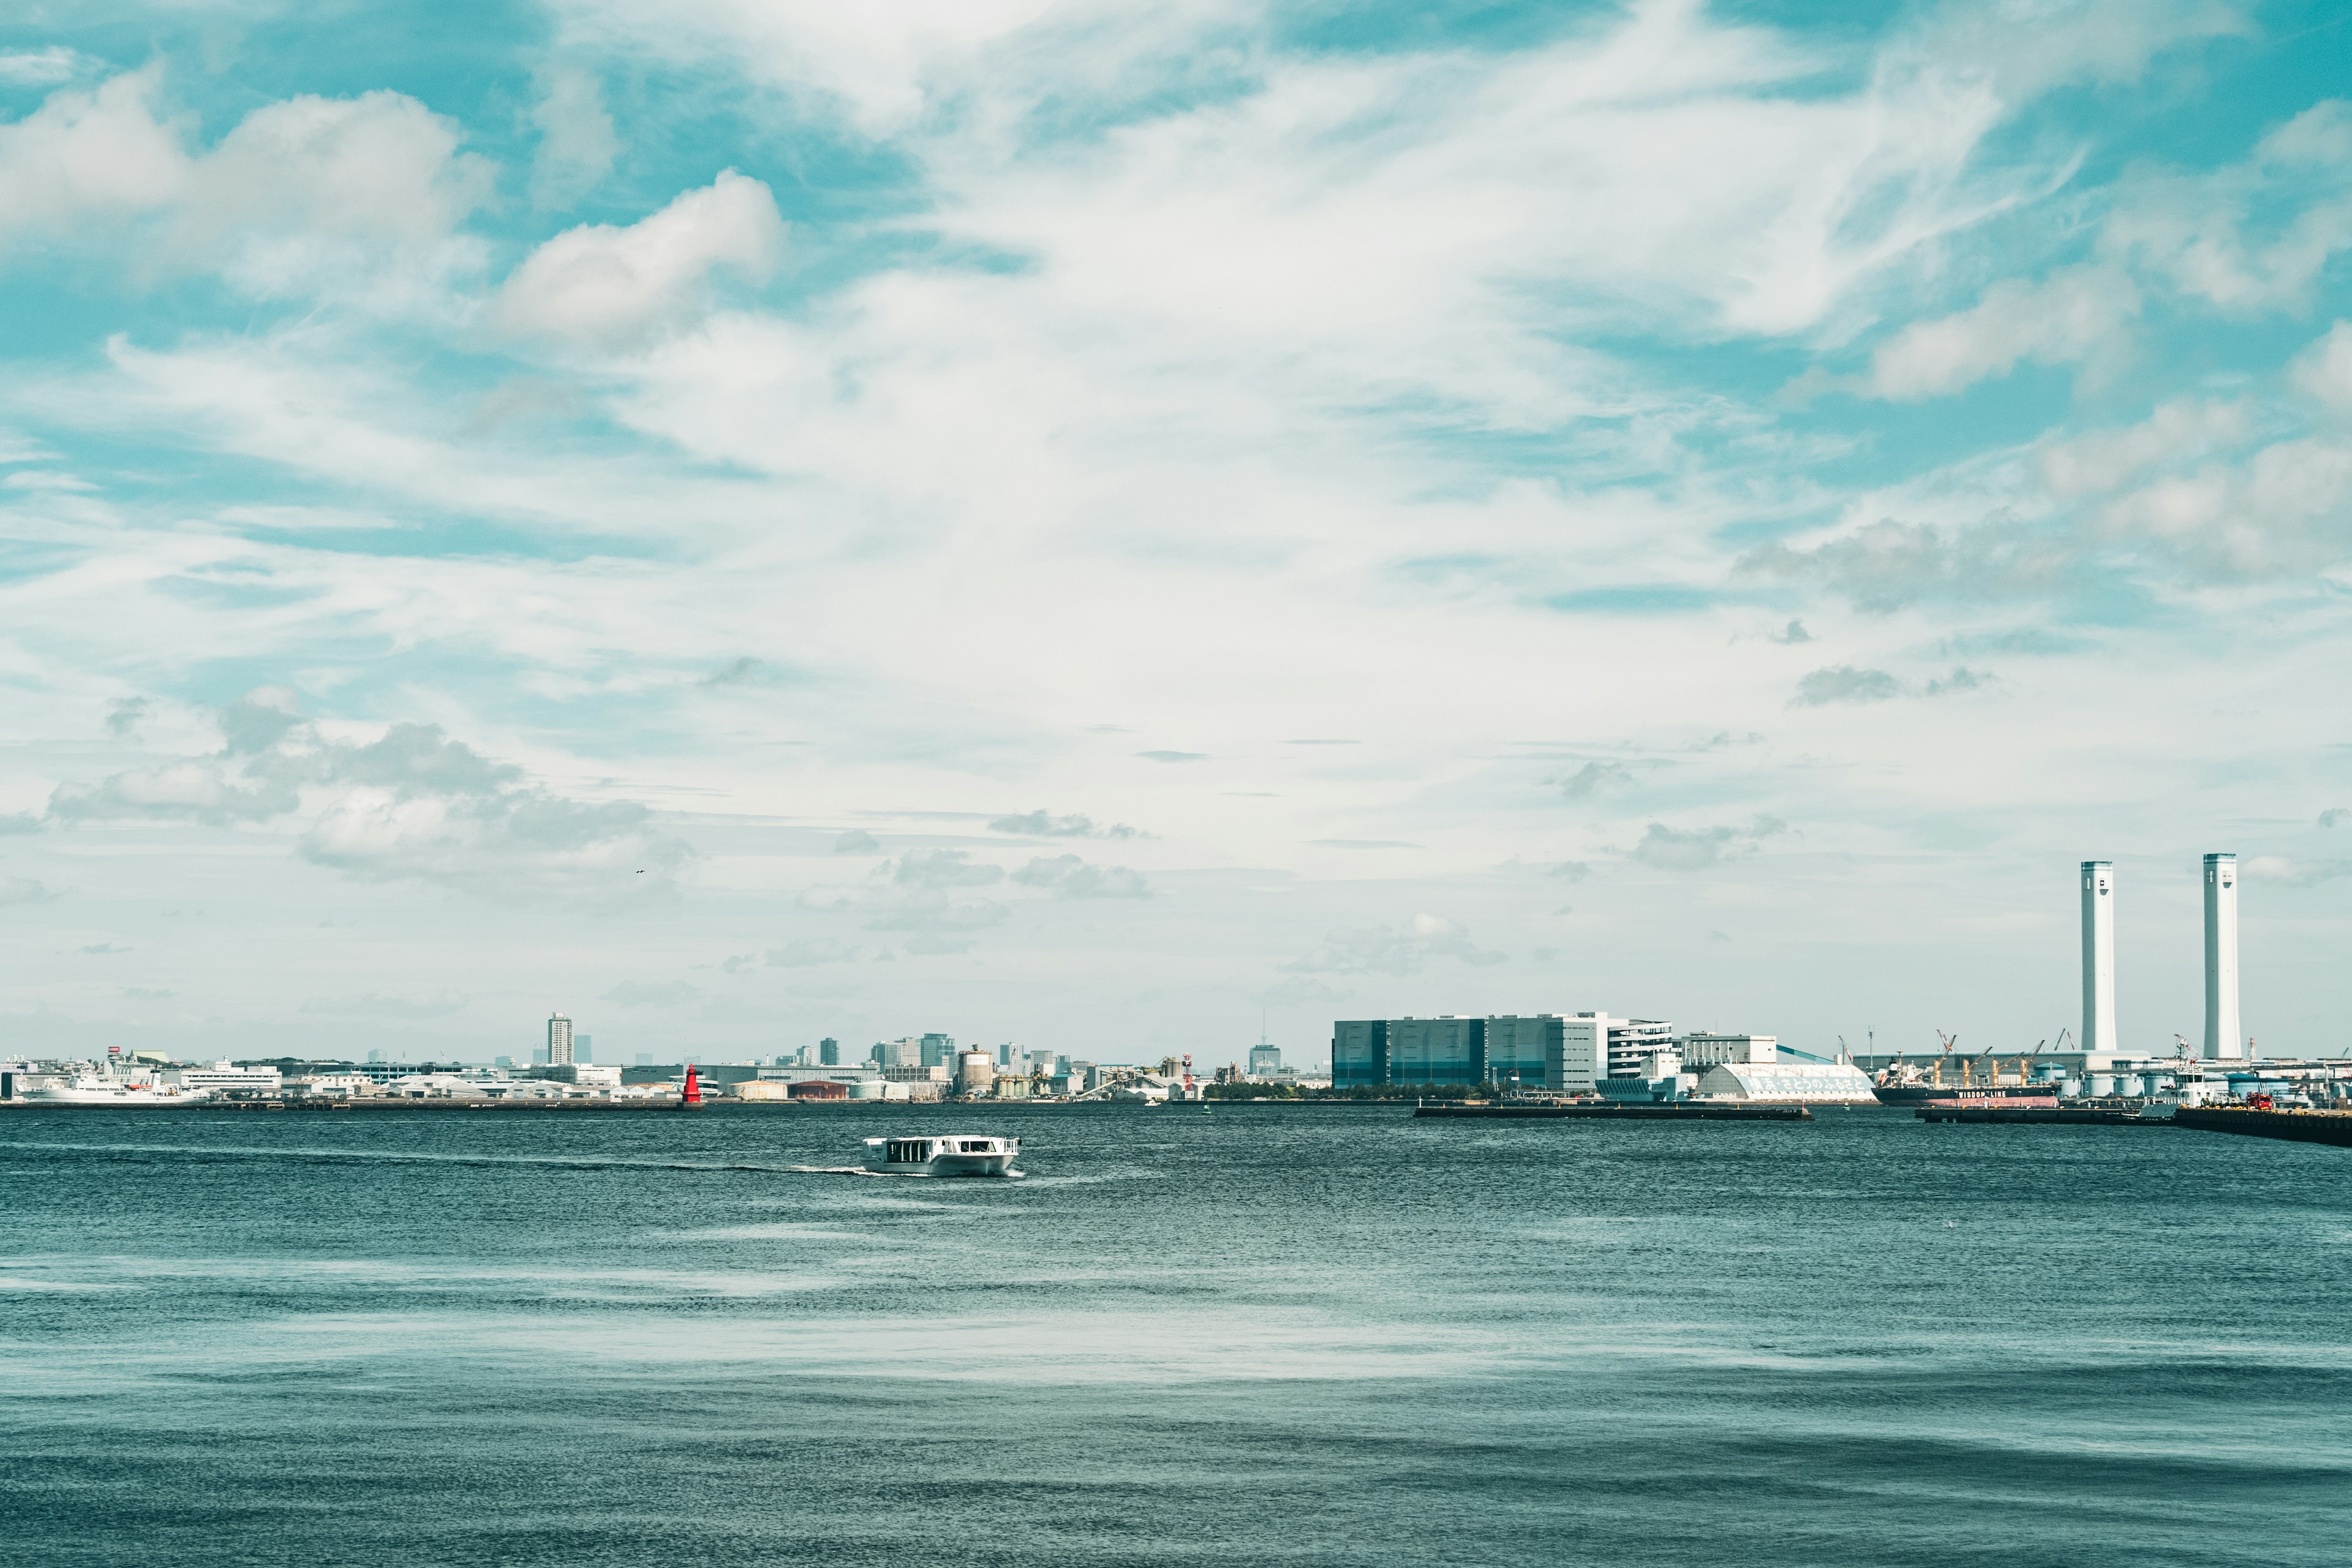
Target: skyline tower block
point(2224, 1040)
point(2099, 956)
point(559, 1040)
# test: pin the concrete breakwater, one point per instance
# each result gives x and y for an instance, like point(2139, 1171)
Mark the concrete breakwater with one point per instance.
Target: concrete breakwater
point(1681, 1110)
point(2300, 1126)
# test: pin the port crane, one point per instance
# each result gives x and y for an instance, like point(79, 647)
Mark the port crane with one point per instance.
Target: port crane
point(1945, 1043)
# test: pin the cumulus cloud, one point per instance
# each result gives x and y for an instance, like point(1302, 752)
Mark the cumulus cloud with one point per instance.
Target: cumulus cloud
point(577, 142)
point(1794, 632)
point(1394, 950)
point(1299, 991)
point(1069, 877)
point(2334, 815)
point(198, 791)
point(1697, 848)
point(2324, 371)
point(18, 822)
point(299, 193)
point(1888, 565)
point(807, 951)
point(411, 803)
point(1573, 870)
point(2070, 316)
point(375, 1005)
point(1044, 823)
point(942, 869)
point(605, 286)
point(647, 994)
point(24, 890)
point(1843, 683)
point(1593, 777)
point(124, 716)
point(856, 841)
point(2251, 237)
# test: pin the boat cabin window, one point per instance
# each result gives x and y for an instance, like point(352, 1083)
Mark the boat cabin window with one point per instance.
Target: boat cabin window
point(980, 1146)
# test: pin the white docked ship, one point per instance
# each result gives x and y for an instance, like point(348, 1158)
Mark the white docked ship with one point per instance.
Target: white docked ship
point(951, 1154)
point(96, 1089)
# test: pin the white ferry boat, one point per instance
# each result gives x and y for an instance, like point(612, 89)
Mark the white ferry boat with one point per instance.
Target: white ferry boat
point(953, 1154)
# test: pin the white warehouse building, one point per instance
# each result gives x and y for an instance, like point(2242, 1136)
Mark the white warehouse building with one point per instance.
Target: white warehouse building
point(1816, 1083)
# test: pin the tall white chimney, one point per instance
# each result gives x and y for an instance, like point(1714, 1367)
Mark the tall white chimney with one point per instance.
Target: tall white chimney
point(2223, 1040)
point(2099, 956)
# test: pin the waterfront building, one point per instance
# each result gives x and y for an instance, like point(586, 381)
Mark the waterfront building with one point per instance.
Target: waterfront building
point(223, 1078)
point(1437, 1050)
point(1702, 1048)
point(1533, 1051)
point(1520, 1050)
point(936, 1050)
point(559, 1040)
point(1633, 1039)
point(905, 1053)
point(1265, 1060)
point(1835, 1083)
point(828, 1052)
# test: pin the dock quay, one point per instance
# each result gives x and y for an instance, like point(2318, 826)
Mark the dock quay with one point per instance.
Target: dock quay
point(2040, 1115)
point(2301, 1126)
point(1679, 1111)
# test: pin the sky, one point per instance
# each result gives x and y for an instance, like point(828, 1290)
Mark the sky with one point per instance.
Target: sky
point(1116, 527)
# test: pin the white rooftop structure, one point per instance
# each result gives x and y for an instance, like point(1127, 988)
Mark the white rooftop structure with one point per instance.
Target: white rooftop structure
point(1817, 1083)
point(2224, 1042)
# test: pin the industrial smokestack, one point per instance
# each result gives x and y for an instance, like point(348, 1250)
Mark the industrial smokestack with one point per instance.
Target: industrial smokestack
point(2222, 1040)
point(2099, 956)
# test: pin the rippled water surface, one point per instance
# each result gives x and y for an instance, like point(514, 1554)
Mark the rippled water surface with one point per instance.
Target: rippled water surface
point(1243, 1335)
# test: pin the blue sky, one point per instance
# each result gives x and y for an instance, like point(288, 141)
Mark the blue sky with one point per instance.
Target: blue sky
point(1094, 524)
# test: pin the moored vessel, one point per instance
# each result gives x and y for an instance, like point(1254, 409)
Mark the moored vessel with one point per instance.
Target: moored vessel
point(947, 1155)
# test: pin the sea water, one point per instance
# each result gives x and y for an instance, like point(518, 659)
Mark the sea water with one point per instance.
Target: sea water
point(1248, 1334)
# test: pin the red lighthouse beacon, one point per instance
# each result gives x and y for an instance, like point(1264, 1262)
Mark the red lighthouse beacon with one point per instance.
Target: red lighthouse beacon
point(692, 1099)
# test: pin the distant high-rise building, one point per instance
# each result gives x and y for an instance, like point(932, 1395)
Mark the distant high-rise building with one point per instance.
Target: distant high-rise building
point(559, 1040)
point(905, 1053)
point(937, 1050)
point(828, 1053)
point(1265, 1060)
point(582, 1050)
point(375, 1055)
point(2099, 957)
point(2222, 1040)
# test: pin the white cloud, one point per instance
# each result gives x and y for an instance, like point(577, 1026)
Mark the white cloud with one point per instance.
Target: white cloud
point(602, 285)
point(22, 890)
point(2187, 428)
point(43, 68)
point(1044, 823)
point(300, 194)
point(2071, 315)
point(1697, 848)
point(2209, 237)
point(1069, 877)
point(2324, 371)
point(577, 142)
point(410, 804)
point(1397, 950)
